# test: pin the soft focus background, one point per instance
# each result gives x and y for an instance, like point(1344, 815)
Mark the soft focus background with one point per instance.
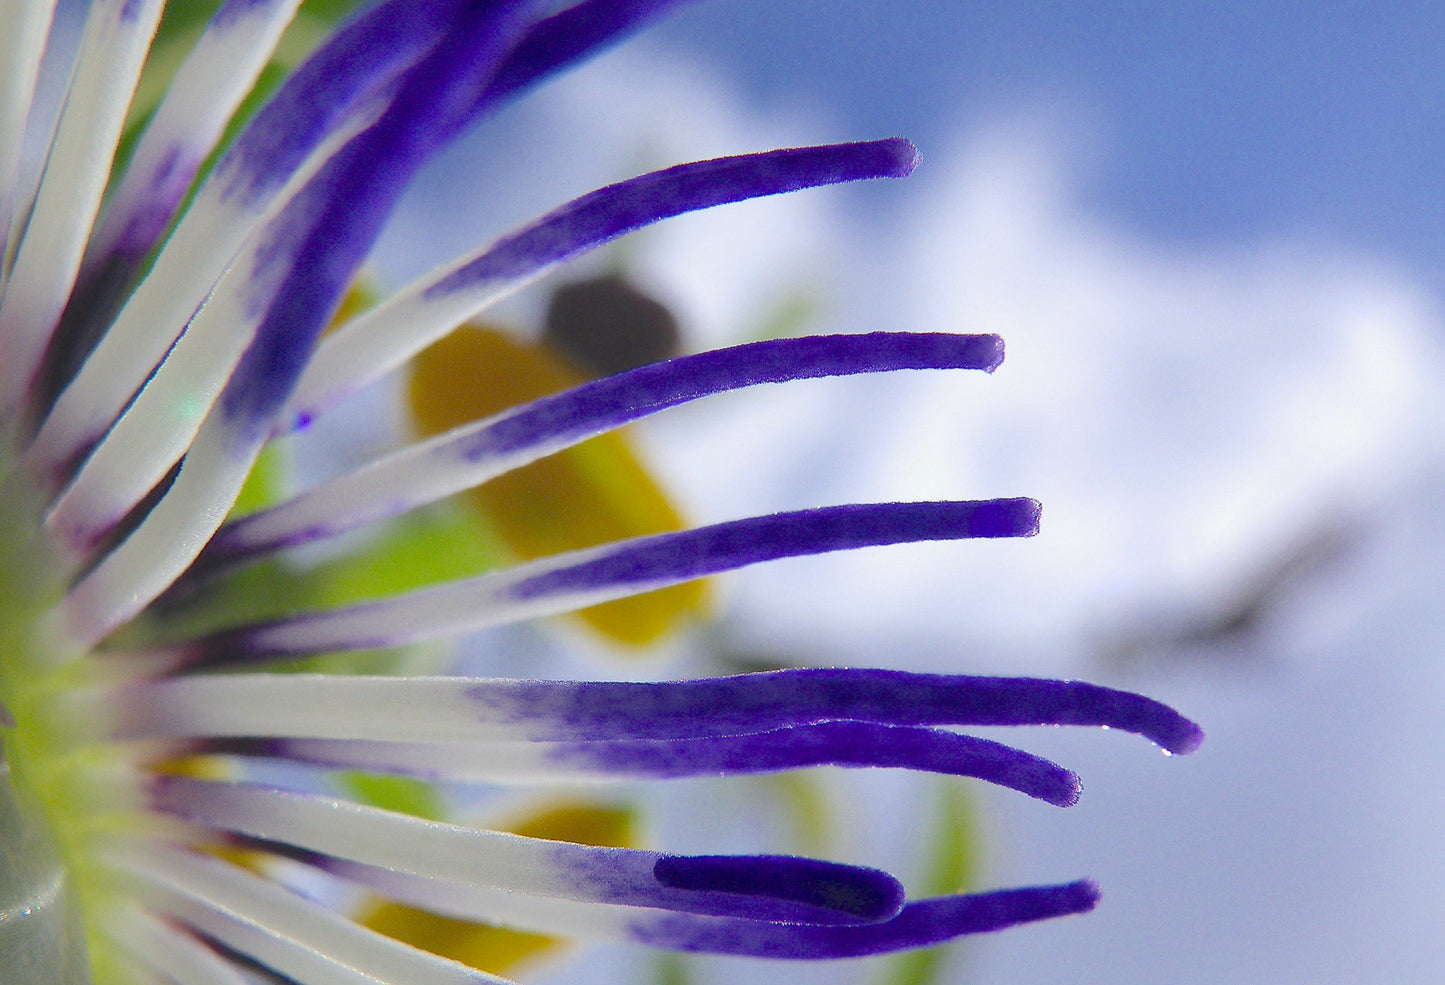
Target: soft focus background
point(1211, 235)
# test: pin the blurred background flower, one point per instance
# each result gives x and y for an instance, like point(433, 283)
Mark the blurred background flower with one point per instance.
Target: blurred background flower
point(1210, 235)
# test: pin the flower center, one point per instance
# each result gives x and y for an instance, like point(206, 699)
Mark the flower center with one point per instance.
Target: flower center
point(41, 891)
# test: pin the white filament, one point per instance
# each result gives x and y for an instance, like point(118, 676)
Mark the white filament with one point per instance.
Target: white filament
point(21, 45)
point(210, 84)
point(387, 839)
point(112, 52)
point(159, 945)
point(279, 929)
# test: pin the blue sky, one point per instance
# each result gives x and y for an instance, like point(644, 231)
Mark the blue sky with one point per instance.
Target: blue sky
point(1219, 121)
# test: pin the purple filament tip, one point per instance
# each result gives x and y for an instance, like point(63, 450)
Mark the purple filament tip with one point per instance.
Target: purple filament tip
point(868, 894)
point(918, 924)
point(724, 546)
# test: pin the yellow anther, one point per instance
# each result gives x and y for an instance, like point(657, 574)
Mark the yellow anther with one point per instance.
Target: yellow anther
point(594, 493)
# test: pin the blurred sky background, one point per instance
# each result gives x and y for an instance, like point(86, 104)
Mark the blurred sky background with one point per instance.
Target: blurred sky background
point(1212, 121)
point(1211, 235)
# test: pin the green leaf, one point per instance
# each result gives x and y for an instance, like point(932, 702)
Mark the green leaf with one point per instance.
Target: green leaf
point(807, 807)
point(953, 865)
point(395, 793)
point(671, 969)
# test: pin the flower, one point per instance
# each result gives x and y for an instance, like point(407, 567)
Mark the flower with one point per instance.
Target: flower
point(157, 339)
